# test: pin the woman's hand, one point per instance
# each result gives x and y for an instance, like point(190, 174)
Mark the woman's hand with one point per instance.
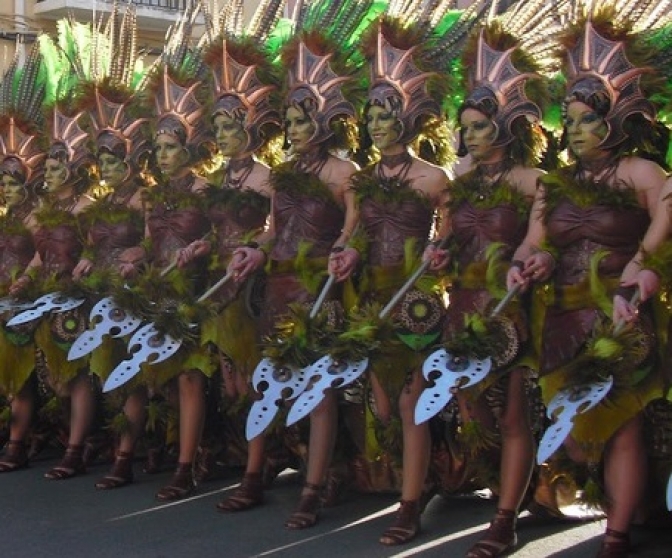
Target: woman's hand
point(539, 266)
point(342, 263)
point(516, 277)
point(82, 269)
point(438, 257)
point(197, 249)
point(245, 261)
point(624, 311)
point(18, 286)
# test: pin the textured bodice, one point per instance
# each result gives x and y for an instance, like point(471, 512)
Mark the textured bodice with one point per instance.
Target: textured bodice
point(233, 219)
point(300, 217)
point(579, 232)
point(477, 228)
point(60, 247)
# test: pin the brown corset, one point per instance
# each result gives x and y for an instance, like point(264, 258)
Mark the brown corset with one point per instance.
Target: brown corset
point(16, 251)
point(172, 229)
point(110, 239)
point(60, 248)
point(232, 224)
point(578, 233)
point(389, 225)
point(301, 218)
point(476, 229)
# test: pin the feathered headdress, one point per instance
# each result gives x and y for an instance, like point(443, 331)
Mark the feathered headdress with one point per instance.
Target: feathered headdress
point(177, 83)
point(21, 118)
point(69, 143)
point(314, 87)
point(496, 85)
point(616, 56)
point(241, 93)
point(109, 97)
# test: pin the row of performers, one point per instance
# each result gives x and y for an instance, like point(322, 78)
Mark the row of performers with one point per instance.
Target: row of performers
point(574, 245)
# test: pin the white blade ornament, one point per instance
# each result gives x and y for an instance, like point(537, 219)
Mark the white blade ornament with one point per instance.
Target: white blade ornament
point(278, 383)
point(147, 345)
point(324, 374)
point(573, 401)
point(53, 302)
point(448, 373)
point(107, 319)
point(150, 346)
point(567, 404)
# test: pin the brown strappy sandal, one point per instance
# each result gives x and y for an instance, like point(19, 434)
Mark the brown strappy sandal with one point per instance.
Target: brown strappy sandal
point(499, 539)
point(307, 512)
point(15, 457)
point(406, 526)
point(181, 485)
point(121, 473)
point(248, 495)
point(617, 548)
point(70, 466)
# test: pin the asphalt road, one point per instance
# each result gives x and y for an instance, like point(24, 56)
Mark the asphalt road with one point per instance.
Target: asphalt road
point(44, 519)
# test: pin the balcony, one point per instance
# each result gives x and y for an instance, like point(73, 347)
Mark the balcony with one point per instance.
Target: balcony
point(153, 15)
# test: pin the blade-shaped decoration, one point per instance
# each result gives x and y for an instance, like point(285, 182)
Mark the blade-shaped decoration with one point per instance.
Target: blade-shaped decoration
point(448, 373)
point(52, 302)
point(669, 493)
point(573, 401)
point(107, 319)
point(278, 383)
point(148, 345)
point(327, 373)
point(324, 374)
point(567, 404)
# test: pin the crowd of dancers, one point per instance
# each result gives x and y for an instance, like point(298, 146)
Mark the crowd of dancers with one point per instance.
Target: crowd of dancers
point(268, 224)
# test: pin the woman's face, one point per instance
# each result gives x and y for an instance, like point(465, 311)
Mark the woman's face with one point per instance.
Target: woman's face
point(383, 127)
point(171, 156)
point(585, 131)
point(112, 169)
point(300, 129)
point(55, 175)
point(13, 191)
point(230, 136)
point(478, 133)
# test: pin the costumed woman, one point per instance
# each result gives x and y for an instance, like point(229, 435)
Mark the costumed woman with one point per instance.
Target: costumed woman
point(244, 121)
point(115, 225)
point(400, 198)
point(489, 210)
point(175, 218)
point(586, 226)
point(21, 170)
point(312, 215)
point(59, 240)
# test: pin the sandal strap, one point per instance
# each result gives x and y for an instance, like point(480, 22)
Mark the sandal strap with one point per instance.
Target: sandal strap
point(615, 534)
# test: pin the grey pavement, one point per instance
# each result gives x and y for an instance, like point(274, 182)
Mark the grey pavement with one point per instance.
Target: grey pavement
point(40, 518)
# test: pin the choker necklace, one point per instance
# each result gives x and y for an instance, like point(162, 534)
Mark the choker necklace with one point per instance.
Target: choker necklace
point(596, 171)
point(312, 162)
point(393, 161)
point(240, 167)
point(490, 176)
point(391, 182)
point(66, 204)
